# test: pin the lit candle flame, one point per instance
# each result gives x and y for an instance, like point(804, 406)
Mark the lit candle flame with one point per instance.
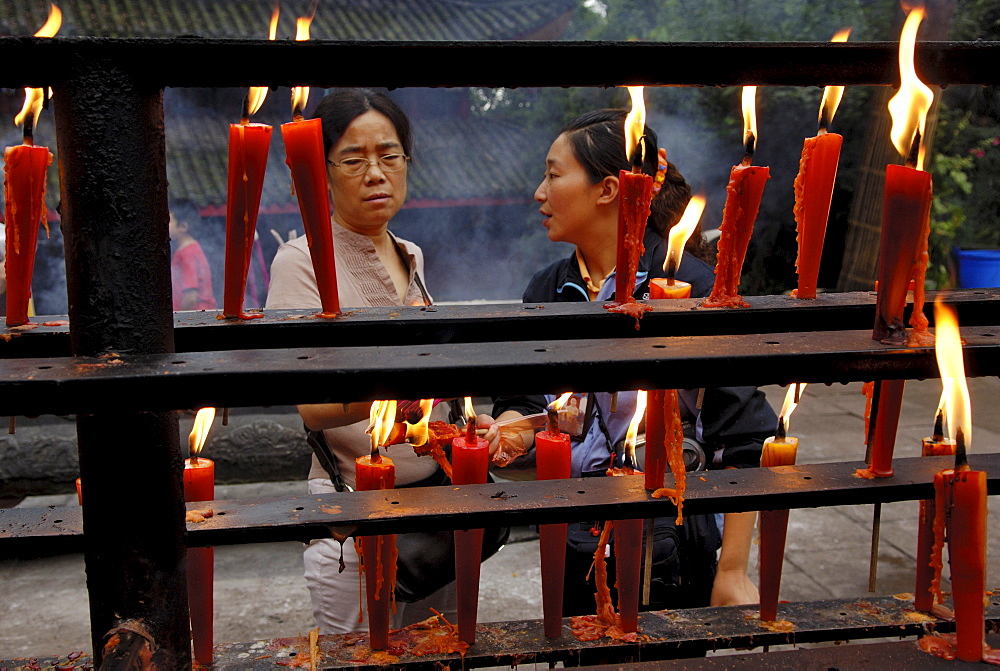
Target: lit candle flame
point(633, 427)
point(470, 412)
point(417, 434)
point(750, 119)
point(272, 31)
point(832, 94)
point(792, 399)
point(558, 404)
point(33, 98)
point(199, 431)
point(257, 94)
point(681, 231)
point(382, 417)
point(909, 107)
point(635, 124)
point(948, 350)
point(300, 94)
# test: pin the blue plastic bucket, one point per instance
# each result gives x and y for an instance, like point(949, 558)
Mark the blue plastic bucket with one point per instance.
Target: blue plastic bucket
point(978, 268)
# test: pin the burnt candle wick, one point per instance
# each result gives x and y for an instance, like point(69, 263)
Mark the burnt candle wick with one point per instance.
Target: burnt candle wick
point(750, 147)
point(938, 436)
point(961, 458)
point(635, 160)
point(779, 432)
point(375, 458)
point(28, 130)
point(470, 431)
point(911, 158)
point(553, 421)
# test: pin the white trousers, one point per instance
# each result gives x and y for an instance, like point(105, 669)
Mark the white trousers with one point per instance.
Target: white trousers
point(338, 597)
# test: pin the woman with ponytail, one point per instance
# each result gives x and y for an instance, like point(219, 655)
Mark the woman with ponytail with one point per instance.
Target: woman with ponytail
point(579, 200)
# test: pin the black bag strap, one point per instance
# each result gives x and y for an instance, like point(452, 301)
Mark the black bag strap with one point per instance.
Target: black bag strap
point(321, 448)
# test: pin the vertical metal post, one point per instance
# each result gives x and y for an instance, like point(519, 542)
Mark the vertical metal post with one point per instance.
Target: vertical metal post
point(112, 171)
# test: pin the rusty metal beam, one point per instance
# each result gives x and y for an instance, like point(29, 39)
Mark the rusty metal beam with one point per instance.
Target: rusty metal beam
point(303, 518)
point(162, 62)
point(202, 331)
point(114, 200)
point(347, 374)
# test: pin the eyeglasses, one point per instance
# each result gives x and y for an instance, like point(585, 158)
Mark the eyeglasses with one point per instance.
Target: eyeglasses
point(353, 167)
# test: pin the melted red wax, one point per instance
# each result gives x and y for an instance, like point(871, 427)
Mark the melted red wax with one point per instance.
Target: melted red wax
point(943, 646)
point(606, 622)
point(631, 308)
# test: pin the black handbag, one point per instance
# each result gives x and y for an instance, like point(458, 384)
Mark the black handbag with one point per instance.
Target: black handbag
point(426, 560)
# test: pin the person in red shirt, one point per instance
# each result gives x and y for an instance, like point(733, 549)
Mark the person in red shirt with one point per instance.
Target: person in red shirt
point(189, 270)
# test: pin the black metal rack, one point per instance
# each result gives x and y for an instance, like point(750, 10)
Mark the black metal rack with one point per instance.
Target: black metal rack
point(124, 366)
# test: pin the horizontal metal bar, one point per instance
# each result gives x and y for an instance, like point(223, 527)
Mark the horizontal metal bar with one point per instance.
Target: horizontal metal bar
point(202, 331)
point(162, 62)
point(304, 518)
point(347, 374)
point(664, 634)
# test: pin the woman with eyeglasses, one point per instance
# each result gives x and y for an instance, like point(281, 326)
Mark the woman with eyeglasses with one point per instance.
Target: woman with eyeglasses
point(367, 140)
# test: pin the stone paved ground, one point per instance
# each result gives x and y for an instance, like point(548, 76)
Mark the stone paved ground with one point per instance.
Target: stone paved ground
point(260, 592)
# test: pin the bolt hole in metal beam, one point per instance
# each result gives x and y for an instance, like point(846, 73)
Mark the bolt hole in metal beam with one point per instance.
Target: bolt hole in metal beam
point(299, 508)
point(178, 363)
point(303, 358)
point(541, 349)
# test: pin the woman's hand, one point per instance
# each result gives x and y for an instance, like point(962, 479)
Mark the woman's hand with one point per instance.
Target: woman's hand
point(492, 435)
point(732, 587)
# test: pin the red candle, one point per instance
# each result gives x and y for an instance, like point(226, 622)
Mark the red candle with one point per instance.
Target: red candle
point(669, 287)
point(902, 254)
point(248, 148)
point(813, 194)
point(378, 552)
point(967, 559)
point(470, 457)
point(923, 597)
point(887, 407)
point(778, 451)
point(635, 192)
point(814, 188)
point(24, 200)
point(655, 466)
point(660, 287)
point(199, 485)
point(307, 161)
point(553, 460)
point(665, 444)
point(907, 203)
point(743, 195)
point(628, 564)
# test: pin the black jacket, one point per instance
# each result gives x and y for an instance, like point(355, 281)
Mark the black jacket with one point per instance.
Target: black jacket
point(562, 282)
point(734, 421)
